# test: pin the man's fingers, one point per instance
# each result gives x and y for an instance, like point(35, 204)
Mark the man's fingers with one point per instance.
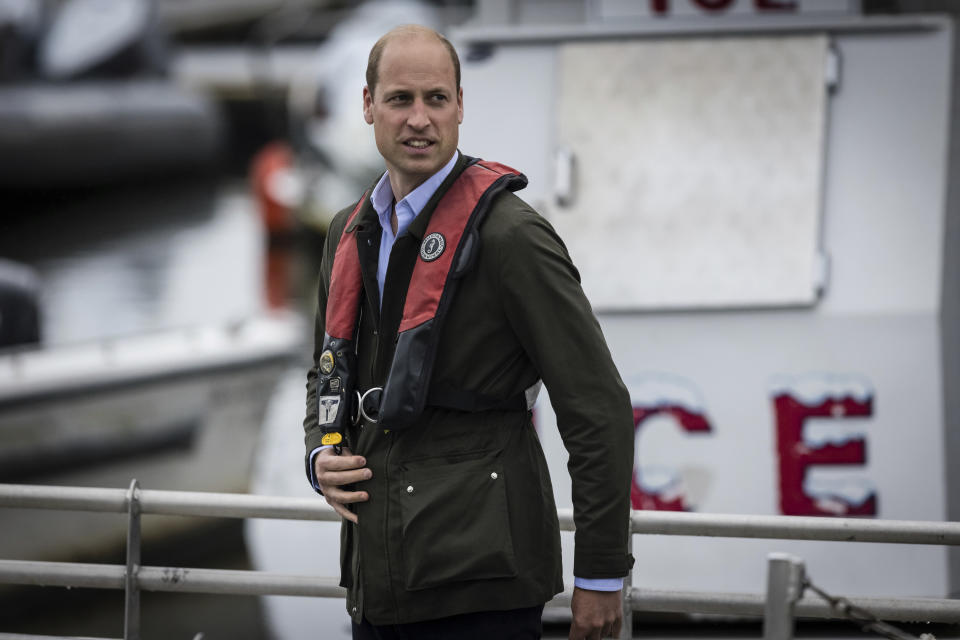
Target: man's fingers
point(343, 511)
point(584, 632)
point(328, 461)
point(340, 478)
point(335, 471)
point(595, 628)
point(615, 632)
point(344, 497)
point(342, 463)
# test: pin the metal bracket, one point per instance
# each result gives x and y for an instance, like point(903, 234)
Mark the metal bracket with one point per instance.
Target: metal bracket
point(131, 613)
point(821, 273)
point(785, 585)
point(626, 627)
point(563, 177)
point(832, 70)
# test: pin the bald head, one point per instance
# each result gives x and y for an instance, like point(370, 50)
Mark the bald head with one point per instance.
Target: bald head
point(407, 31)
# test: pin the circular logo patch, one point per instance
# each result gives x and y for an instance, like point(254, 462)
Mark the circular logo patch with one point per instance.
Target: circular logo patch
point(432, 247)
point(326, 362)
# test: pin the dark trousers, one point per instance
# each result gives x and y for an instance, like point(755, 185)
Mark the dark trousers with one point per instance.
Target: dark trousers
point(515, 624)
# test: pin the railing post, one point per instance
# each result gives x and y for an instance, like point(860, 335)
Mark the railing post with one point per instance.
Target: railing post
point(131, 612)
point(626, 629)
point(785, 577)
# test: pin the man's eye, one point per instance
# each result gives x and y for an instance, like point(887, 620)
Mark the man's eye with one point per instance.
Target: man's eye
point(439, 97)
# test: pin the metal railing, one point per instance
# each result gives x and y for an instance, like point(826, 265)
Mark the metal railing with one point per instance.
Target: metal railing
point(133, 577)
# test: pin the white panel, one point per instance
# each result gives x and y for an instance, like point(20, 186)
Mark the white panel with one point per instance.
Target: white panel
point(883, 217)
point(723, 365)
point(886, 179)
point(505, 99)
point(698, 169)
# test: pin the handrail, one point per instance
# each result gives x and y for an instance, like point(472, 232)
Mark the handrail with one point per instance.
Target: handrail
point(675, 523)
point(261, 583)
point(136, 502)
point(156, 502)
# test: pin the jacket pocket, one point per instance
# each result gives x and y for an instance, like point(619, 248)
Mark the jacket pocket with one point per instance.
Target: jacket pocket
point(455, 524)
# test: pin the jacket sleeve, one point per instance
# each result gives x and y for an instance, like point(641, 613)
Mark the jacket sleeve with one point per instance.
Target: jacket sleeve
point(311, 428)
point(552, 318)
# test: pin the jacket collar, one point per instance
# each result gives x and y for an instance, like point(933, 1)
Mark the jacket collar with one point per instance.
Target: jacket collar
point(418, 227)
point(367, 216)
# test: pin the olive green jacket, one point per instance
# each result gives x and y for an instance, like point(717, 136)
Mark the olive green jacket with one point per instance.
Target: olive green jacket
point(461, 515)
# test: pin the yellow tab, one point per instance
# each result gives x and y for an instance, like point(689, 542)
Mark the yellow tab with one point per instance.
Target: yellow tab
point(331, 438)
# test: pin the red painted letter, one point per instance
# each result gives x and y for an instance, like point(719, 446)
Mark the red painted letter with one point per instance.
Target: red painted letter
point(665, 496)
point(798, 454)
point(713, 5)
point(776, 5)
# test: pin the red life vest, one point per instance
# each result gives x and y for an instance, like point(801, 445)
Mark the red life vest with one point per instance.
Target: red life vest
point(448, 251)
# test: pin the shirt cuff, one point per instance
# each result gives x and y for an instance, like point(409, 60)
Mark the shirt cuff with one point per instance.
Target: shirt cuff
point(599, 584)
point(313, 470)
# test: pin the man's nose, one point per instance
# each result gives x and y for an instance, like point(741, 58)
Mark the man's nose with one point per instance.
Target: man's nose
point(418, 117)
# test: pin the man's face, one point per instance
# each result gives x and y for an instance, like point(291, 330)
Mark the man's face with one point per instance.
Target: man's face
point(416, 110)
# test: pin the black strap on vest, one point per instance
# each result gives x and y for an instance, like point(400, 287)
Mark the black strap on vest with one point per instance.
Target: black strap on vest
point(460, 213)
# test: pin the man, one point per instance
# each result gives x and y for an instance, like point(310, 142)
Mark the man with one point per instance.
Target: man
point(450, 527)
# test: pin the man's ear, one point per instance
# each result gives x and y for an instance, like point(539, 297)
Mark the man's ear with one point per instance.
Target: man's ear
point(367, 105)
point(460, 105)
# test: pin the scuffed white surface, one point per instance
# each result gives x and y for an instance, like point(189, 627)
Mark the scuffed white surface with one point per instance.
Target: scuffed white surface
point(814, 388)
point(826, 488)
point(698, 168)
point(656, 480)
point(818, 432)
point(886, 156)
point(663, 389)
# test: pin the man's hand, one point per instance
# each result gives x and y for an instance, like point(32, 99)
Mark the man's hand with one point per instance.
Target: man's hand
point(333, 472)
point(596, 614)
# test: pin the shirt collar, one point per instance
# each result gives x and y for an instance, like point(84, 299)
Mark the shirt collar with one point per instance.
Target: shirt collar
point(410, 206)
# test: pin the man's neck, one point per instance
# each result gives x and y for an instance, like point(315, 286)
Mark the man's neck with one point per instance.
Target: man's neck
point(402, 189)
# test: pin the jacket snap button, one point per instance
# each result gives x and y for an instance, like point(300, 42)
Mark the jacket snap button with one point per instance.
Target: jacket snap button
point(410, 489)
point(494, 475)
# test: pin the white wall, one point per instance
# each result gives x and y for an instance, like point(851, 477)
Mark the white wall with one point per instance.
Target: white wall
point(883, 220)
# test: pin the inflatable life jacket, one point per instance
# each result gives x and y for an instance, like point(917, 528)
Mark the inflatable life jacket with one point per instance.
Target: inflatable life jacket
point(448, 251)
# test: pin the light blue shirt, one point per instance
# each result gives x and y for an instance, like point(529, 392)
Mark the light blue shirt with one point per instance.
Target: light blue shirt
point(407, 209)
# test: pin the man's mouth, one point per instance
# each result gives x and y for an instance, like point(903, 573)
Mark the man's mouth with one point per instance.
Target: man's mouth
point(417, 143)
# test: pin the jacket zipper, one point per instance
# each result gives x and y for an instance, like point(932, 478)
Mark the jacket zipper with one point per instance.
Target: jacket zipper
point(386, 522)
point(386, 476)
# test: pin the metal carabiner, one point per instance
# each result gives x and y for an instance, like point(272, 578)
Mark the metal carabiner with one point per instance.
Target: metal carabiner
point(355, 414)
point(363, 399)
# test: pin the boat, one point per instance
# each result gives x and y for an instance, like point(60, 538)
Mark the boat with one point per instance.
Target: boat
point(177, 409)
point(86, 98)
